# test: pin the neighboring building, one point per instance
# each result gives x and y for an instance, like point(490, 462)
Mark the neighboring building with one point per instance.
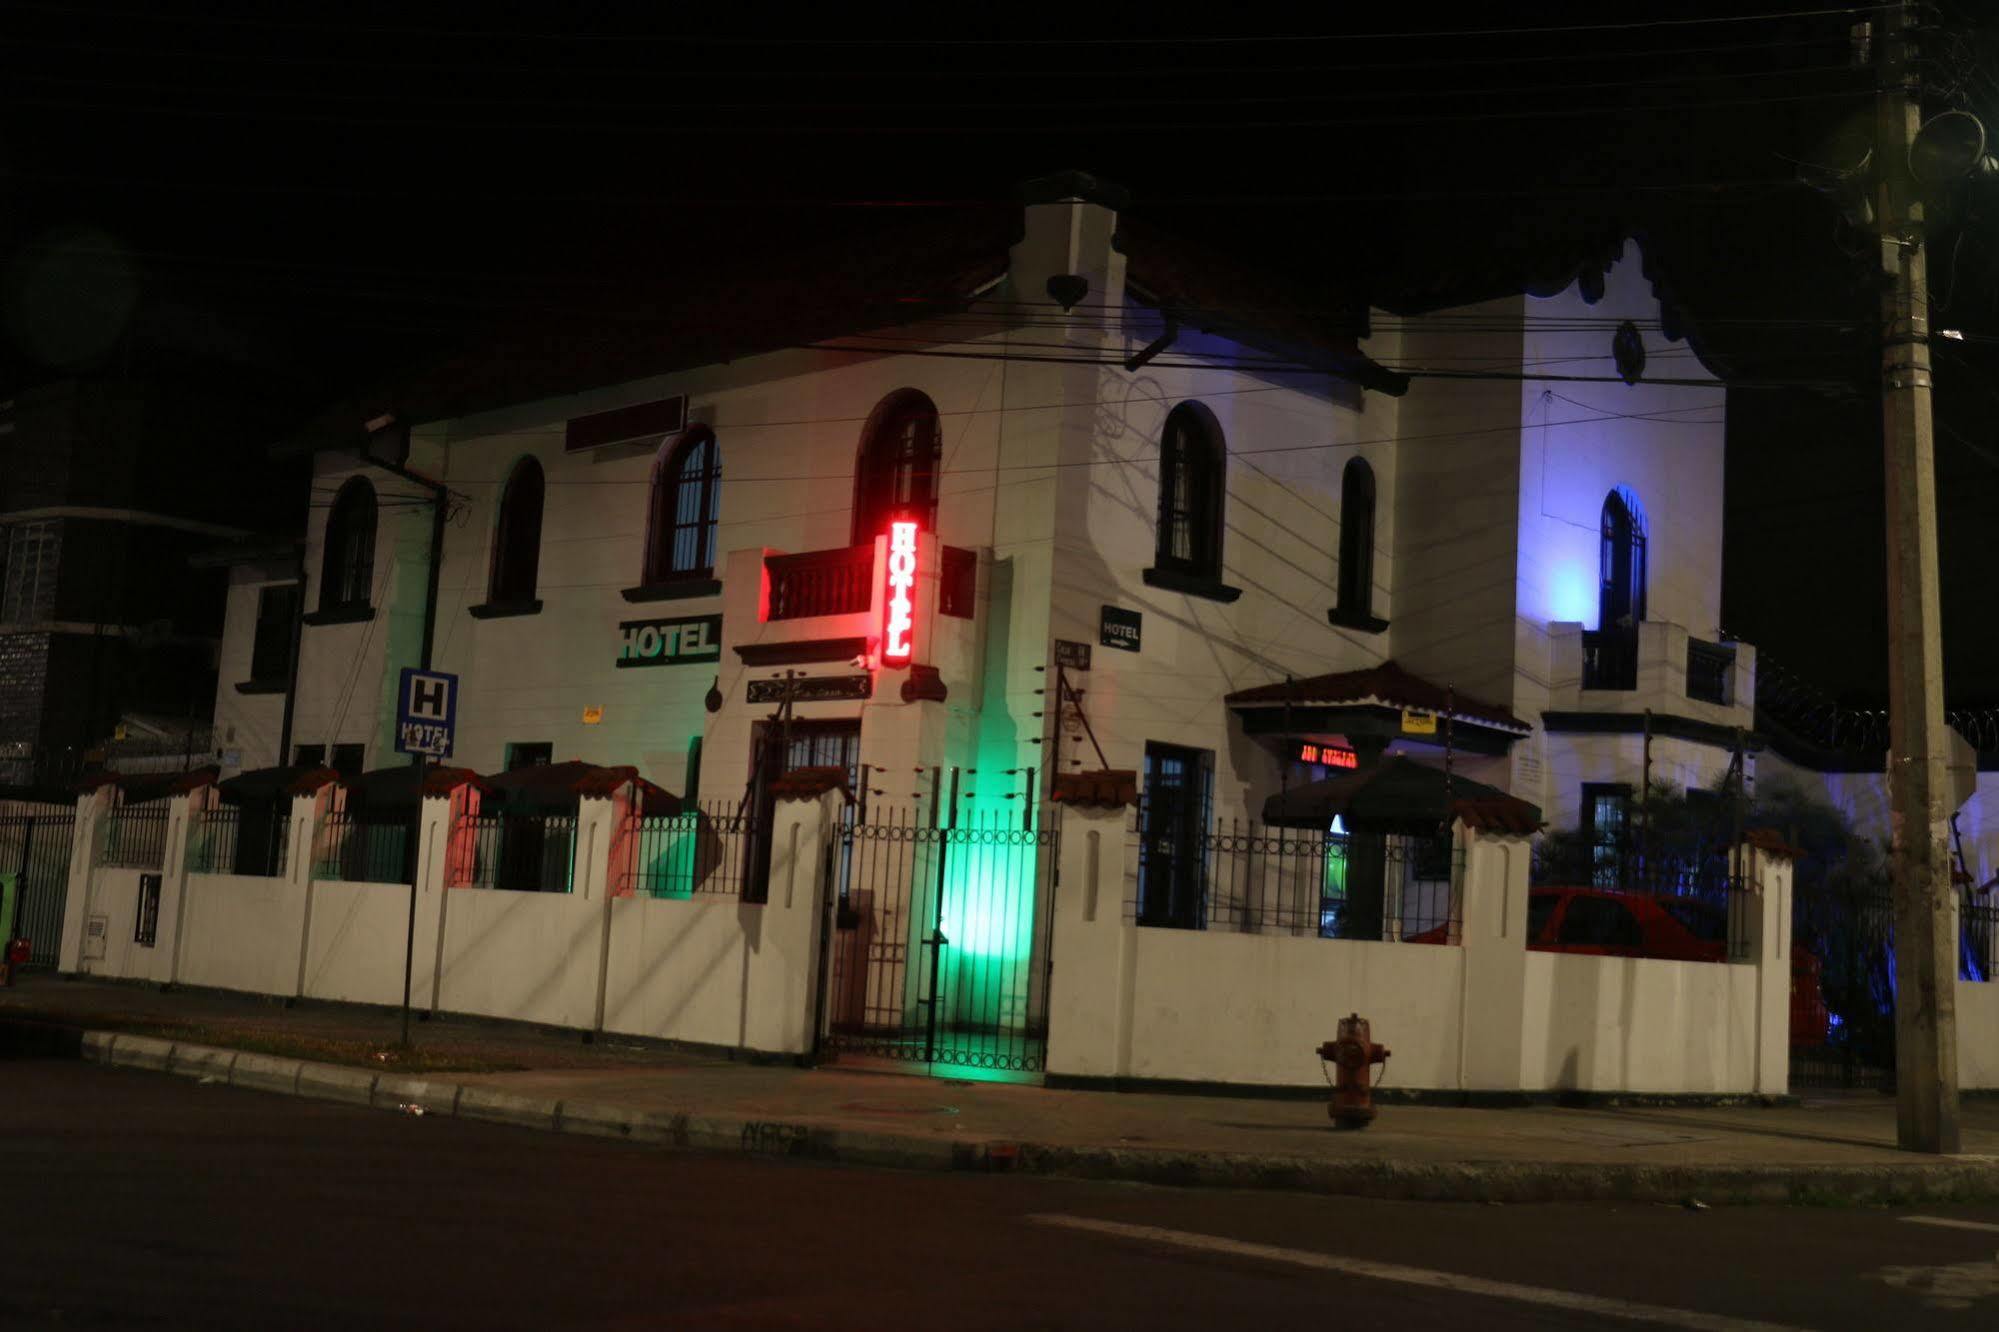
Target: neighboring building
point(1103, 438)
point(108, 484)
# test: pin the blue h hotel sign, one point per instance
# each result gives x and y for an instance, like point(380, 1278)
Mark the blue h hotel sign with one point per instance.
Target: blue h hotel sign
point(683, 642)
point(426, 713)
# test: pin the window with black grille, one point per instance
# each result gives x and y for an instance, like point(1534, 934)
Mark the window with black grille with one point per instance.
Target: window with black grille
point(271, 650)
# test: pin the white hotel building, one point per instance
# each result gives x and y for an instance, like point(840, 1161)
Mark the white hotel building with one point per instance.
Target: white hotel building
point(1101, 438)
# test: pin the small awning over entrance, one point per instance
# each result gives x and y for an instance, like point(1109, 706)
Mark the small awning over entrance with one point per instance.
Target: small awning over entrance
point(1397, 795)
point(263, 785)
point(556, 787)
point(1368, 708)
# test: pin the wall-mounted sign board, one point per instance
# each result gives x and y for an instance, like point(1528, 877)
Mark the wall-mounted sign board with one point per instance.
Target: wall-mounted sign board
point(1072, 655)
point(812, 689)
point(1120, 628)
point(678, 642)
point(1415, 721)
point(641, 423)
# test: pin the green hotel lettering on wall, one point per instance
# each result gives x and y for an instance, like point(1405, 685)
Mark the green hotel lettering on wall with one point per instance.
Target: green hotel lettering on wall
point(682, 642)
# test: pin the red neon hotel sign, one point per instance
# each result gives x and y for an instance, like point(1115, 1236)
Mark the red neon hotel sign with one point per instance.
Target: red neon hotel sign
point(899, 606)
point(1330, 755)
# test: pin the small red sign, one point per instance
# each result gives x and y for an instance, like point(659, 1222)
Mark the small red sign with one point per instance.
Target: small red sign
point(899, 606)
point(1332, 756)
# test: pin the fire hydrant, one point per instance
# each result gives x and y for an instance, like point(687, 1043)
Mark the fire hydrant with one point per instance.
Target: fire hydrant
point(12, 959)
point(1352, 1054)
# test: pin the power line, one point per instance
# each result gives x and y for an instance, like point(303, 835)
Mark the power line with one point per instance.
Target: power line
point(913, 130)
point(845, 71)
point(698, 39)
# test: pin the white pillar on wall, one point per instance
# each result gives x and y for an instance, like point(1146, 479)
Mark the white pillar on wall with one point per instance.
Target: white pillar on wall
point(1091, 948)
point(1494, 940)
point(86, 838)
point(302, 841)
point(182, 810)
point(788, 934)
point(1767, 945)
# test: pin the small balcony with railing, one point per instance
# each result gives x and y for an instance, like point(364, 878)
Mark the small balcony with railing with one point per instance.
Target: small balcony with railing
point(1651, 664)
point(830, 606)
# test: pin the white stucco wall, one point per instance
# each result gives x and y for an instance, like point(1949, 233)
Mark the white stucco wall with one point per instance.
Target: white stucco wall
point(528, 956)
point(242, 933)
point(1639, 1025)
point(359, 933)
point(247, 726)
point(1978, 1034)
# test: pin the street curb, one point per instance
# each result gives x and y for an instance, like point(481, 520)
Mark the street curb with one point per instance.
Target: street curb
point(1959, 1180)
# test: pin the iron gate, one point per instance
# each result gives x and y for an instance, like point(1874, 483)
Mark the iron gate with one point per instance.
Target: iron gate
point(1842, 988)
point(35, 848)
point(939, 951)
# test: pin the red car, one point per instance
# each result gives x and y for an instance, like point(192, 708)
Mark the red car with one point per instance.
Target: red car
point(1603, 923)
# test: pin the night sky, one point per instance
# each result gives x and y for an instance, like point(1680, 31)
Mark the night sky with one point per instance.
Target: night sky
point(326, 196)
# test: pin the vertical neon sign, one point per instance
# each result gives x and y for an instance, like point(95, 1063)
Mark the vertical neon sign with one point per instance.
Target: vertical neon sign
point(899, 619)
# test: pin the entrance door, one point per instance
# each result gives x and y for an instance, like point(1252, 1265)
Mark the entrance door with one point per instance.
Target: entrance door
point(1172, 821)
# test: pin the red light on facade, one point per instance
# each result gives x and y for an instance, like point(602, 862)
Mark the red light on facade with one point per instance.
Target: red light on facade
point(1331, 756)
point(899, 606)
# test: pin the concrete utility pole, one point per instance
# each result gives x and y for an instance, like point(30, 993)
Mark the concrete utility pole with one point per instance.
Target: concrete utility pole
point(1925, 934)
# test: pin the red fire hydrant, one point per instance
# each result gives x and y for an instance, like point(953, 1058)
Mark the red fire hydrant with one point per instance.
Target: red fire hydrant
point(12, 959)
point(1352, 1054)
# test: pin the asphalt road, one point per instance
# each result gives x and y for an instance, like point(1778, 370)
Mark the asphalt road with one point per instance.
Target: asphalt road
point(140, 1200)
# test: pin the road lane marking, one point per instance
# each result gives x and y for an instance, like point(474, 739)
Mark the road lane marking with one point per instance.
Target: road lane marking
point(1950, 1223)
point(1419, 1276)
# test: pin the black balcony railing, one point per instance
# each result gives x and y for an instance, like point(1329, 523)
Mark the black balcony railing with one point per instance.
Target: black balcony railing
point(1610, 659)
point(820, 582)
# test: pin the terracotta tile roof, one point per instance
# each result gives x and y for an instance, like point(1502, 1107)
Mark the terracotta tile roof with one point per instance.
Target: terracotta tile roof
point(1772, 841)
point(811, 783)
point(1106, 788)
point(1386, 685)
point(139, 787)
point(1508, 814)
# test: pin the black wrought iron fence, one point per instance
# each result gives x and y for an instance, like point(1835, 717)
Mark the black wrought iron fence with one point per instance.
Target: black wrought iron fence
point(363, 850)
point(704, 850)
point(233, 839)
point(1610, 659)
point(525, 853)
point(940, 946)
point(1254, 878)
point(1978, 941)
point(1843, 985)
point(1692, 905)
point(135, 837)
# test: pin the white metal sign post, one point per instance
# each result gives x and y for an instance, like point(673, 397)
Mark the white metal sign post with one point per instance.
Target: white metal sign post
point(426, 717)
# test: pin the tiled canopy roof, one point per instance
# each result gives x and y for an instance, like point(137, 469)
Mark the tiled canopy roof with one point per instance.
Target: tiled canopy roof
point(1386, 685)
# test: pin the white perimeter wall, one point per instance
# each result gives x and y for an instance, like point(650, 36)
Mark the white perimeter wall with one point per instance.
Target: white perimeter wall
point(1978, 1034)
point(359, 932)
point(241, 933)
point(1639, 1025)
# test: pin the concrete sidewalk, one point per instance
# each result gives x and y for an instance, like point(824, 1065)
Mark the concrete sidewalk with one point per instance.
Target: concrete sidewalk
point(1831, 1149)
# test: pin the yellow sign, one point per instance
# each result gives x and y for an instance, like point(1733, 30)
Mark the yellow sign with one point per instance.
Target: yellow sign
point(591, 716)
point(1415, 721)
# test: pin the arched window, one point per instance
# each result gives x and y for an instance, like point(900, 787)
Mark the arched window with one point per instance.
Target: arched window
point(1191, 479)
point(686, 489)
point(1356, 573)
point(517, 540)
point(347, 569)
point(1621, 594)
point(901, 448)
